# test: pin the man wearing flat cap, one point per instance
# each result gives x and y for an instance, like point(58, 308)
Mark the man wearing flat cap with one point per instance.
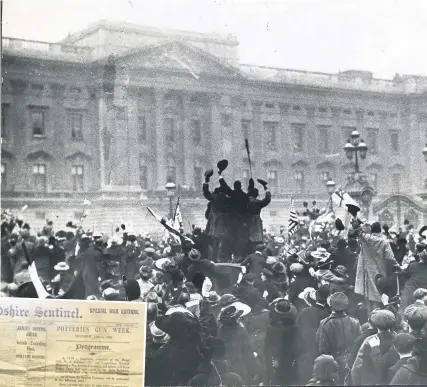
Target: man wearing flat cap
point(337, 333)
point(376, 354)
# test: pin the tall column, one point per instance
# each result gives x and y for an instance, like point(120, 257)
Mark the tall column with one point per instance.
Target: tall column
point(101, 132)
point(216, 149)
point(314, 156)
point(286, 144)
point(257, 143)
point(187, 170)
point(238, 140)
point(20, 135)
point(132, 143)
point(160, 139)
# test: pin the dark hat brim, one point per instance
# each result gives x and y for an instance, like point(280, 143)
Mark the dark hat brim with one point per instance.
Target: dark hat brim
point(423, 230)
point(262, 182)
point(352, 209)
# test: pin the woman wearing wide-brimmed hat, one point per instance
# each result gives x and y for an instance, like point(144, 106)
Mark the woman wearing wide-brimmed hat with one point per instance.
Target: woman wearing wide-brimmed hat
point(280, 344)
point(176, 362)
point(238, 352)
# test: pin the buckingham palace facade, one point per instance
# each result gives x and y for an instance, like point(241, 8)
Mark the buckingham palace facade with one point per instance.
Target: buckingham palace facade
point(182, 102)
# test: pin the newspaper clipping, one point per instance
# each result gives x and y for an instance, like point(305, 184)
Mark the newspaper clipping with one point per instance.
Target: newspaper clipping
point(52, 343)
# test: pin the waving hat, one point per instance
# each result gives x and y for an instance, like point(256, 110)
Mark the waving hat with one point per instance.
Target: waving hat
point(222, 165)
point(423, 232)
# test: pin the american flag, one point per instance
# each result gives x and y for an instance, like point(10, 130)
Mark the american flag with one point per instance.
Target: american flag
point(293, 222)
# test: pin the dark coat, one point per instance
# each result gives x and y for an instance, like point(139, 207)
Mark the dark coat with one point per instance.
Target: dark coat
point(372, 364)
point(130, 260)
point(256, 323)
point(255, 222)
point(6, 270)
point(392, 371)
point(255, 263)
point(176, 362)
point(417, 278)
point(42, 258)
point(238, 352)
point(204, 266)
point(239, 201)
point(358, 343)
point(91, 260)
point(216, 373)
point(336, 336)
point(308, 322)
point(414, 372)
point(246, 292)
point(218, 224)
point(281, 348)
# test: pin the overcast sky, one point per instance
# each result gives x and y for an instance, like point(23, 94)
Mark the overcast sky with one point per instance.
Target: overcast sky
point(383, 36)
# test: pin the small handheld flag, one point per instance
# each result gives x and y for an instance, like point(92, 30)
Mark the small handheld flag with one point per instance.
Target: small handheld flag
point(293, 222)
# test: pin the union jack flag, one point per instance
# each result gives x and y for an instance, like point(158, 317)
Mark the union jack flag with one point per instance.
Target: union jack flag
point(293, 222)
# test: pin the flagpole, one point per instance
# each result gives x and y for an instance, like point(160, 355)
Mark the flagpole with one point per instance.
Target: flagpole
point(176, 209)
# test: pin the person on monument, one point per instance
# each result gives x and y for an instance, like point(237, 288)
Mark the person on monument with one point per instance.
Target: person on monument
point(254, 214)
point(218, 218)
point(239, 220)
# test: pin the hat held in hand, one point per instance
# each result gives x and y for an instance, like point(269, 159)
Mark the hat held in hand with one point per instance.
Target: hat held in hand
point(262, 182)
point(222, 165)
point(209, 173)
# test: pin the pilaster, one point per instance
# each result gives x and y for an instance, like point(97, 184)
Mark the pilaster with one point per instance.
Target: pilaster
point(160, 138)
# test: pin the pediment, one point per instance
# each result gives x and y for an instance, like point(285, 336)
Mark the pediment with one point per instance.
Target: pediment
point(245, 160)
point(397, 166)
point(40, 154)
point(78, 154)
point(178, 57)
point(300, 163)
point(272, 162)
point(325, 164)
point(374, 166)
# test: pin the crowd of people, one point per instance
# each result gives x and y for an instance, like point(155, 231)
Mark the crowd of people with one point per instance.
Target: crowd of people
point(231, 304)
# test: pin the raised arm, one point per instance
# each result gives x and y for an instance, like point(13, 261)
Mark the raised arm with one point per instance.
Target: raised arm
point(267, 199)
point(207, 193)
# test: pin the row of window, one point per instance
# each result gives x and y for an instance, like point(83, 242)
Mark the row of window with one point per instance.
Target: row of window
point(39, 179)
point(39, 173)
point(325, 136)
point(75, 120)
point(323, 110)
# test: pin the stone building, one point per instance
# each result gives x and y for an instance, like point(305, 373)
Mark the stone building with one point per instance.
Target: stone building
point(182, 101)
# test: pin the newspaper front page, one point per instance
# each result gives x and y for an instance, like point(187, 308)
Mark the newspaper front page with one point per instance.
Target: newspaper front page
point(69, 343)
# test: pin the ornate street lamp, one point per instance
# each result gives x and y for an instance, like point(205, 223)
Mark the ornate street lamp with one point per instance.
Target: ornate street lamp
point(330, 185)
point(355, 146)
point(170, 188)
point(425, 153)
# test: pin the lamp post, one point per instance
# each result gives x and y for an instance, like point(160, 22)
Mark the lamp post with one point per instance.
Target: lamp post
point(170, 188)
point(330, 186)
point(355, 146)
